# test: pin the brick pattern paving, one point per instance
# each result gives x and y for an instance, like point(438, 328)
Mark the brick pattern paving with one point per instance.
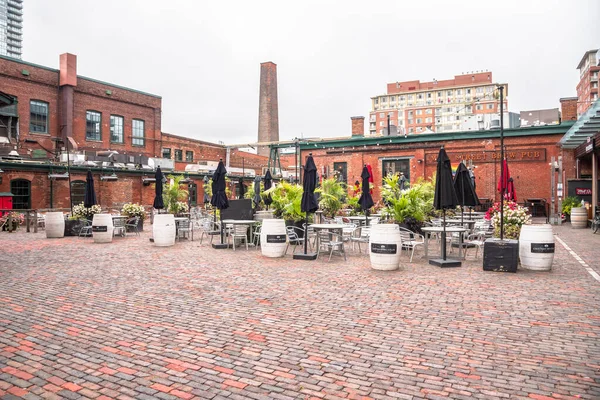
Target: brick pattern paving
point(131, 321)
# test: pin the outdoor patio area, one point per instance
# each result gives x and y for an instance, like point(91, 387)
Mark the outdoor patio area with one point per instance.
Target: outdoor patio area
point(128, 319)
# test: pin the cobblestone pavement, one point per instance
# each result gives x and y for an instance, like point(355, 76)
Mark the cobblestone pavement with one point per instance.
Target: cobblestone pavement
point(130, 320)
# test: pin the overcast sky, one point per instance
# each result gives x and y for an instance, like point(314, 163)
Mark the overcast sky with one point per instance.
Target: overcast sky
point(203, 57)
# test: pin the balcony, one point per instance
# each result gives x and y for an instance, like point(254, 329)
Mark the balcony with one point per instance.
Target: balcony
point(12, 17)
point(16, 11)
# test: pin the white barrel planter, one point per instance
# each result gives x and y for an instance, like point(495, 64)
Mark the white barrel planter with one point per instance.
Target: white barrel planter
point(262, 215)
point(579, 217)
point(273, 238)
point(55, 225)
point(536, 247)
point(385, 246)
point(163, 230)
point(102, 228)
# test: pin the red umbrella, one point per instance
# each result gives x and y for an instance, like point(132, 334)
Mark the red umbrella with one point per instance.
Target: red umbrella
point(370, 176)
point(506, 184)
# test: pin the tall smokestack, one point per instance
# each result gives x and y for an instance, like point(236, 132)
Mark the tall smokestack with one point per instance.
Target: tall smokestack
point(268, 115)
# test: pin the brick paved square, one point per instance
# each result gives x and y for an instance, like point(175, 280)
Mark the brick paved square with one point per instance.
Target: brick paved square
point(130, 320)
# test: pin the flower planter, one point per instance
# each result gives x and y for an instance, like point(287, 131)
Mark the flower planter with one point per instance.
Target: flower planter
point(536, 247)
point(385, 246)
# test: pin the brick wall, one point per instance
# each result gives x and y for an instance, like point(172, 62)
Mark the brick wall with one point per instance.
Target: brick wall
point(531, 177)
point(568, 109)
point(358, 126)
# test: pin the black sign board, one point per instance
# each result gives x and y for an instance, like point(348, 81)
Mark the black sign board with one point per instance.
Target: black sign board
point(384, 248)
point(103, 228)
point(276, 238)
point(542, 247)
point(238, 209)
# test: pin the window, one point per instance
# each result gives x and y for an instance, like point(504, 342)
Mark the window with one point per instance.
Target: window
point(193, 193)
point(384, 99)
point(479, 107)
point(178, 155)
point(393, 98)
point(381, 123)
point(401, 98)
point(21, 190)
point(419, 120)
point(410, 113)
point(457, 118)
point(489, 106)
point(93, 122)
point(116, 129)
point(391, 114)
point(439, 94)
point(137, 130)
point(396, 166)
point(428, 120)
point(449, 92)
point(429, 95)
point(189, 156)
point(410, 121)
point(411, 130)
point(77, 192)
point(428, 111)
point(479, 90)
point(341, 171)
point(419, 112)
point(419, 96)
point(376, 101)
point(166, 153)
point(458, 92)
point(468, 109)
point(381, 115)
point(410, 97)
point(38, 116)
point(468, 91)
point(489, 89)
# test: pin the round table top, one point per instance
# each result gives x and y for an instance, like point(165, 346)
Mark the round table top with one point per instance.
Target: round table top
point(239, 221)
point(458, 221)
point(327, 226)
point(359, 217)
point(441, 229)
point(119, 216)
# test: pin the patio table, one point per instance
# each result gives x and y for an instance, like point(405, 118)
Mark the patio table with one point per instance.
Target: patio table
point(438, 229)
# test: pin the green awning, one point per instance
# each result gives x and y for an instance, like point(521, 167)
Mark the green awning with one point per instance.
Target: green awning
point(587, 125)
point(8, 105)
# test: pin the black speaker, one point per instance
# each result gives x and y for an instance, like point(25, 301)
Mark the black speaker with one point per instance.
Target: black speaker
point(500, 255)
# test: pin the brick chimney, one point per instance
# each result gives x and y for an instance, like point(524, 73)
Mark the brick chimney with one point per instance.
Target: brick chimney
point(268, 114)
point(67, 81)
point(358, 126)
point(568, 109)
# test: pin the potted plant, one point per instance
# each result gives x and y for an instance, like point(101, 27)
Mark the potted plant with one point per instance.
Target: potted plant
point(333, 194)
point(15, 219)
point(515, 216)
point(409, 207)
point(174, 196)
point(567, 205)
point(76, 221)
point(287, 199)
point(135, 210)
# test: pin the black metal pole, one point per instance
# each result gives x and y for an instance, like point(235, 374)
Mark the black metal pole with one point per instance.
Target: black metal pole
point(297, 161)
point(66, 140)
point(501, 88)
point(444, 235)
point(388, 125)
point(306, 234)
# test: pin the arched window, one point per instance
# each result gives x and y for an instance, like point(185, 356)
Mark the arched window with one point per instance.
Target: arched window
point(77, 192)
point(21, 190)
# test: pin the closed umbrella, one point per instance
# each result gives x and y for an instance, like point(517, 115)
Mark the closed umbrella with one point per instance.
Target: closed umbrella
point(309, 202)
point(444, 198)
point(89, 198)
point(242, 188)
point(158, 194)
point(256, 197)
point(267, 184)
point(219, 197)
point(371, 180)
point(464, 189)
point(365, 200)
point(402, 181)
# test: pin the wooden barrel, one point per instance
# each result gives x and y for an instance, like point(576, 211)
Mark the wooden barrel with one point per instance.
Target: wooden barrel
point(273, 238)
point(536, 247)
point(163, 230)
point(55, 225)
point(579, 217)
point(102, 228)
point(262, 215)
point(385, 245)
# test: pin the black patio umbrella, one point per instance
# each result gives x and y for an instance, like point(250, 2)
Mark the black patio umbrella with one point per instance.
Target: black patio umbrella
point(158, 194)
point(242, 188)
point(444, 198)
point(206, 199)
point(219, 197)
point(89, 199)
point(365, 200)
point(464, 189)
point(267, 184)
point(309, 203)
point(256, 197)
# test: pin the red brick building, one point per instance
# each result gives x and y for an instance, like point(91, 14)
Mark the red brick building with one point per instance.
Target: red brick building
point(50, 111)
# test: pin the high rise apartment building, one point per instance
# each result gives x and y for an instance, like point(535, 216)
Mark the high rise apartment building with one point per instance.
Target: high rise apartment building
point(440, 106)
point(11, 28)
point(587, 88)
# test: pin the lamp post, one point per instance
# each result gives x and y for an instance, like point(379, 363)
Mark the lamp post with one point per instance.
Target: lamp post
point(501, 88)
point(66, 142)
